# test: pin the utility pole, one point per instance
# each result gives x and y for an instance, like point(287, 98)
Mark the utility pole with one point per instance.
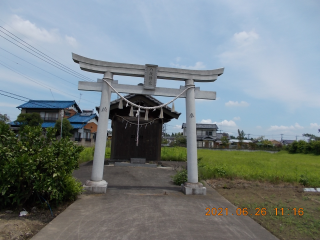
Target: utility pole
point(296, 137)
point(281, 136)
point(62, 114)
point(249, 136)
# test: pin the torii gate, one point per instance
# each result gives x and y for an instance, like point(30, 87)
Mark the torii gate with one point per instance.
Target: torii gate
point(150, 73)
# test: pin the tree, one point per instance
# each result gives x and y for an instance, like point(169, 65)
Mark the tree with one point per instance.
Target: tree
point(258, 139)
point(232, 137)
point(311, 137)
point(29, 119)
point(224, 141)
point(66, 127)
point(241, 135)
point(180, 140)
point(4, 118)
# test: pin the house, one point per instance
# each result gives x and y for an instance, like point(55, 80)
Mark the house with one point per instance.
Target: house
point(207, 136)
point(287, 142)
point(275, 142)
point(83, 122)
point(124, 145)
point(86, 124)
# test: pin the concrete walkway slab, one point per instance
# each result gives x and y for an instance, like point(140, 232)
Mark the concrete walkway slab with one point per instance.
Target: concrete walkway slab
point(142, 203)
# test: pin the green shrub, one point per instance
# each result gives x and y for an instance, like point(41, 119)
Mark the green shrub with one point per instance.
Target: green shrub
point(33, 165)
point(180, 177)
point(301, 146)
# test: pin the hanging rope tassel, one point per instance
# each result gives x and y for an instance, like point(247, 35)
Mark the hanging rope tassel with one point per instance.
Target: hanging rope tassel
point(146, 115)
point(138, 115)
point(131, 112)
point(172, 109)
point(120, 104)
point(161, 113)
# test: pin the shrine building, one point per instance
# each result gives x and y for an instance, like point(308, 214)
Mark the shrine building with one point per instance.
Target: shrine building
point(124, 129)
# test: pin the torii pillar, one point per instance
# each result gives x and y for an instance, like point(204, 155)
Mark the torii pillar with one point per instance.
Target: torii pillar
point(150, 73)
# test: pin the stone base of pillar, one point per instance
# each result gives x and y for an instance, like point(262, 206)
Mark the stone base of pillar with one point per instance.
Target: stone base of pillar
point(193, 189)
point(96, 186)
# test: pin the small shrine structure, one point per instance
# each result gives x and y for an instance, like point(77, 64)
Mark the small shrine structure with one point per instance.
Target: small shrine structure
point(124, 129)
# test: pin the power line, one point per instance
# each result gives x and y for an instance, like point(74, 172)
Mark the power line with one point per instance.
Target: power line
point(41, 53)
point(38, 67)
point(38, 57)
point(45, 58)
point(13, 97)
point(39, 83)
point(41, 105)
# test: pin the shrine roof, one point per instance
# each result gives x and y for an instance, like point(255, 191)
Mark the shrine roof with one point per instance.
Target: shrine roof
point(147, 96)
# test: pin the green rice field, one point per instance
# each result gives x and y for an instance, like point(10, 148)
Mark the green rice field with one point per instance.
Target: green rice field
point(261, 166)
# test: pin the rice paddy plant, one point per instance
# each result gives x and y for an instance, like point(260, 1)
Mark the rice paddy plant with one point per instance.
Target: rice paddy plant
point(261, 166)
point(174, 154)
point(86, 155)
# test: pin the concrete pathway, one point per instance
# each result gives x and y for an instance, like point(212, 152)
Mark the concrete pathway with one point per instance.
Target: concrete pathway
point(142, 203)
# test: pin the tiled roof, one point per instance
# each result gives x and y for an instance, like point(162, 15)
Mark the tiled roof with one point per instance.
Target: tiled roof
point(79, 118)
point(287, 141)
point(44, 104)
point(74, 125)
point(202, 126)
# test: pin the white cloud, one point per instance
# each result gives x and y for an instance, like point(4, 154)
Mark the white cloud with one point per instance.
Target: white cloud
point(270, 68)
point(237, 118)
point(207, 121)
point(277, 128)
point(314, 125)
point(224, 123)
point(258, 127)
point(237, 104)
point(31, 31)
point(177, 127)
point(72, 41)
point(197, 66)
point(245, 38)
point(297, 126)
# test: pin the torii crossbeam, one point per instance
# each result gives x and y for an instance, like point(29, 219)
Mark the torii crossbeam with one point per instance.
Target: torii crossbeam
point(150, 73)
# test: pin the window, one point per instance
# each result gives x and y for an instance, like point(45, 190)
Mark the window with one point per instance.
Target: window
point(209, 133)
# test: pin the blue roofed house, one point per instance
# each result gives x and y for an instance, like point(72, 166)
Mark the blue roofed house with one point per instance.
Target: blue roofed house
point(83, 122)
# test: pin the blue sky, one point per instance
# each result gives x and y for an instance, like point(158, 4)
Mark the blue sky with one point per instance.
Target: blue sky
point(269, 49)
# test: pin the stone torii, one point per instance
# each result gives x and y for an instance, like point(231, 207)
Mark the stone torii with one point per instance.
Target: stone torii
point(150, 73)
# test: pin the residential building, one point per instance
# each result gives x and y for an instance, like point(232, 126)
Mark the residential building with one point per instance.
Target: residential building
point(287, 142)
point(207, 136)
point(83, 122)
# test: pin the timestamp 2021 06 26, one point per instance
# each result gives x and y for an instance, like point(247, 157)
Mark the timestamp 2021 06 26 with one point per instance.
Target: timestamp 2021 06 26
point(257, 212)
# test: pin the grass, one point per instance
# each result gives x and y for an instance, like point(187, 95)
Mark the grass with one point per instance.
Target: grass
point(87, 154)
point(297, 215)
point(174, 154)
point(261, 166)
